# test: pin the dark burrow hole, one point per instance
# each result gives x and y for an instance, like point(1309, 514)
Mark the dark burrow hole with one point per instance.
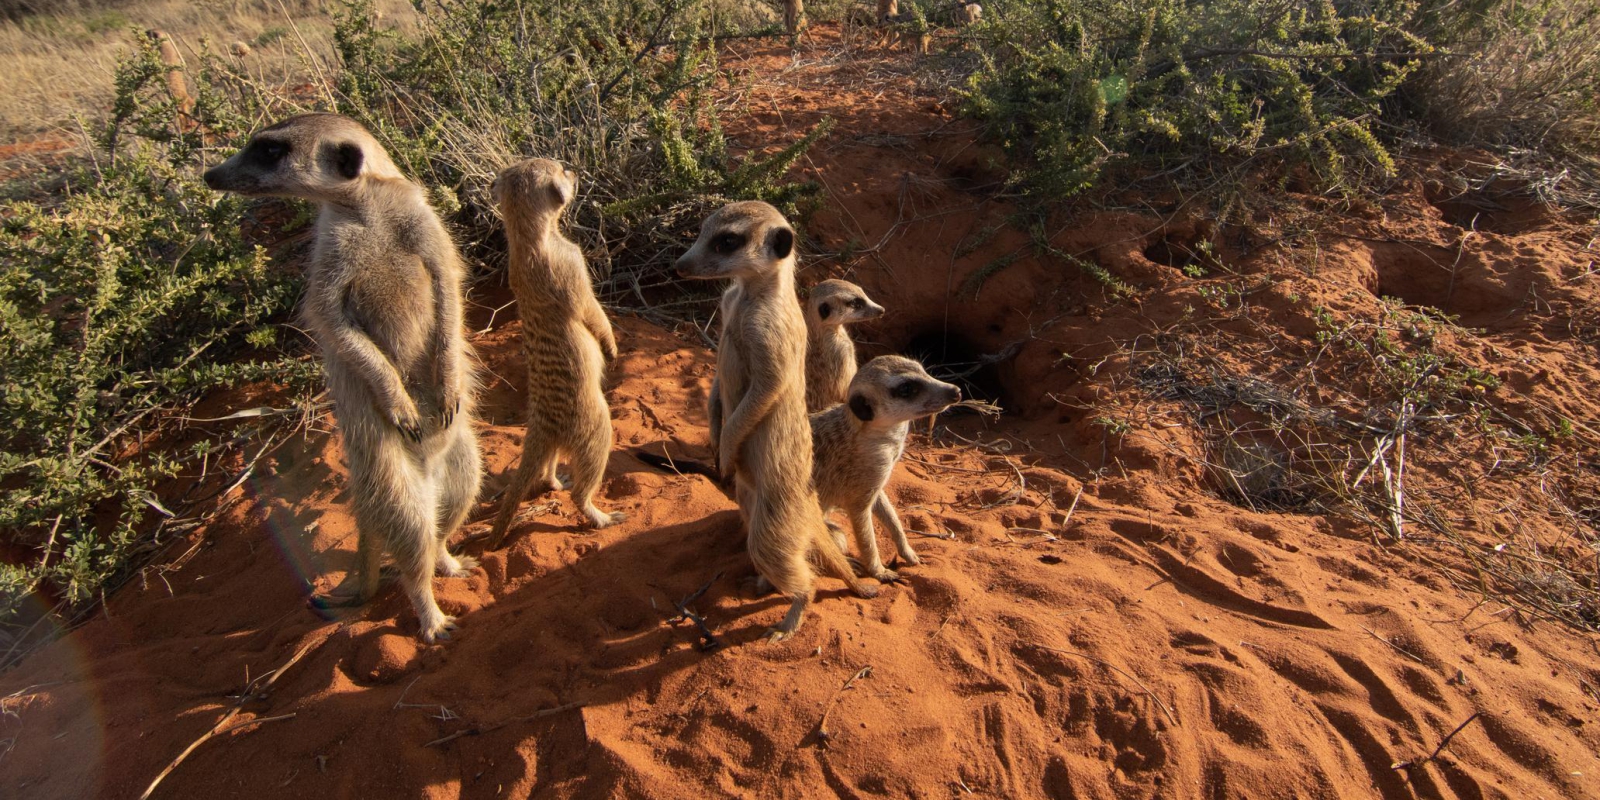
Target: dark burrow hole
point(951, 357)
point(1179, 251)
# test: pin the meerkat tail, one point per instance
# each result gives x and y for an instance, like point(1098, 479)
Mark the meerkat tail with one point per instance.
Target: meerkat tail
point(832, 559)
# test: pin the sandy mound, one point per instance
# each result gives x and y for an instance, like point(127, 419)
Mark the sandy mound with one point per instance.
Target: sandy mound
point(1162, 642)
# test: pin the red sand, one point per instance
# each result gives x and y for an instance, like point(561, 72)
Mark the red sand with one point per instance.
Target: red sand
point(1164, 643)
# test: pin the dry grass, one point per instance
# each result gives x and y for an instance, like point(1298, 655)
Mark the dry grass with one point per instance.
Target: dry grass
point(60, 66)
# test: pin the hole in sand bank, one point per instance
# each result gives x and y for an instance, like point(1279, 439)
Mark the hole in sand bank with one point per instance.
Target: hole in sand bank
point(1490, 211)
point(949, 356)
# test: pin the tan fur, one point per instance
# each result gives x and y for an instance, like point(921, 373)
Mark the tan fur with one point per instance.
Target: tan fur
point(566, 339)
point(887, 9)
point(176, 87)
point(239, 49)
point(764, 442)
point(794, 16)
point(383, 301)
point(830, 354)
point(858, 444)
point(969, 14)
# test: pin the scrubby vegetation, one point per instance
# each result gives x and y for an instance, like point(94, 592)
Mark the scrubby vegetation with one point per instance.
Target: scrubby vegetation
point(1080, 89)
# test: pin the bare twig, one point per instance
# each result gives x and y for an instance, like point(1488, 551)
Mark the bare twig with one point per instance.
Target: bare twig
point(255, 689)
point(1443, 743)
point(482, 729)
point(822, 725)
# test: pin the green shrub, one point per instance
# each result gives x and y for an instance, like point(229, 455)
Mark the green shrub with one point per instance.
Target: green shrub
point(1079, 87)
point(129, 294)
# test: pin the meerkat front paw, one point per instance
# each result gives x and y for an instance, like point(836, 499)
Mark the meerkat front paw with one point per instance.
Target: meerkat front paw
point(404, 417)
point(910, 557)
point(449, 407)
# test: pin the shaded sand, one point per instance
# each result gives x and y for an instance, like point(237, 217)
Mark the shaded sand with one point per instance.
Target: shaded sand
point(1162, 643)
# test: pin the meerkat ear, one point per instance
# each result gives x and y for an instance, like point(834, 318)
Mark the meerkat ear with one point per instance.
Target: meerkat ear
point(824, 311)
point(346, 159)
point(781, 242)
point(861, 408)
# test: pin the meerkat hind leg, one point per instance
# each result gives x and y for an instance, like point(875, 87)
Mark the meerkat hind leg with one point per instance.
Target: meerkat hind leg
point(589, 456)
point(867, 547)
point(884, 510)
point(461, 476)
point(538, 458)
point(791, 620)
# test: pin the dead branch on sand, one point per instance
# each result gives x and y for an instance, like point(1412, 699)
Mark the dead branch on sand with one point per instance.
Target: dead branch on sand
point(1437, 750)
point(823, 737)
point(255, 690)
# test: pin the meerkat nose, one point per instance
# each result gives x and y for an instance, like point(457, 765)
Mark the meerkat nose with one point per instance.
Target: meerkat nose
point(211, 178)
point(681, 266)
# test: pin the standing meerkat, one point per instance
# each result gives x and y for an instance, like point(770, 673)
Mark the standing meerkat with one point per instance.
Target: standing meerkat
point(566, 340)
point(830, 354)
point(383, 301)
point(858, 444)
point(764, 443)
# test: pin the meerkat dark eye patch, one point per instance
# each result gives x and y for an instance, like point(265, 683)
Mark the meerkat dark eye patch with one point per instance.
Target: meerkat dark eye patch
point(906, 390)
point(558, 196)
point(824, 311)
point(266, 153)
point(781, 242)
point(726, 243)
point(856, 304)
point(861, 408)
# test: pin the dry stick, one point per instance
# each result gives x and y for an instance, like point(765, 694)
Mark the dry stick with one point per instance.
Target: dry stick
point(822, 725)
point(251, 692)
point(1397, 648)
point(1071, 508)
point(1437, 750)
point(1125, 673)
point(475, 731)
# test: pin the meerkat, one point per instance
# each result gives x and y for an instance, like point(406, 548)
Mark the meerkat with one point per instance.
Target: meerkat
point(794, 16)
point(764, 443)
point(177, 88)
point(830, 354)
point(239, 49)
point(383, 302)
point(968, 14)
point(566, 339)
point(858, 443)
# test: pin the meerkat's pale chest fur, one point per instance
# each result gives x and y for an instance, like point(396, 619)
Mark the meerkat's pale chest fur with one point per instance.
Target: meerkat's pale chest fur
point(383, 301)
point(566, 338)
point(859, 442)
point(762, 433)
point(830, 353)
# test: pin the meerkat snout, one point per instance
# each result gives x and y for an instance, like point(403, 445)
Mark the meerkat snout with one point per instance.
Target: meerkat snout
point(890, 390)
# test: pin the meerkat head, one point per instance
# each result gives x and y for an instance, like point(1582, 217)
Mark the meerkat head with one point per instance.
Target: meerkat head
point(890, 390)
point(537, 188)
point(321, 157)
point(836, 302)
point(740, 240)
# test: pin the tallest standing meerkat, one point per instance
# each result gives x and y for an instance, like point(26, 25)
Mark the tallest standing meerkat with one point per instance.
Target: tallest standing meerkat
point(383, 301)
point(566, 339)
point(764, 441)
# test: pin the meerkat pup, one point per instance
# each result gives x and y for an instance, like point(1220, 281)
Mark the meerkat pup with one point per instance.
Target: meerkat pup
point(764, 443)
point(858, 444)
point(830, 354)
point(566, 339)
point(383, 301)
